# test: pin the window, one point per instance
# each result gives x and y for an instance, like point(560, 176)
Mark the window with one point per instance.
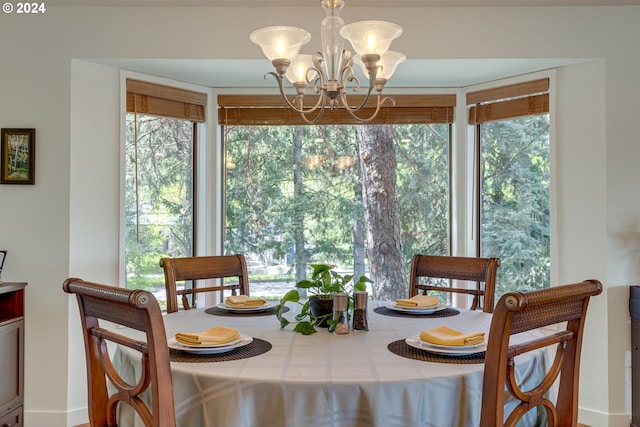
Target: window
point(512, 131)
point(160, 168)
point(294, 193)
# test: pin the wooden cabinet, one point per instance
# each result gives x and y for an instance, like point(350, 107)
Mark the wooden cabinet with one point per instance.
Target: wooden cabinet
point(11, 354)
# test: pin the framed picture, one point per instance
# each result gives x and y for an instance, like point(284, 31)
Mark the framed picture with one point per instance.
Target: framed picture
point(17, 156)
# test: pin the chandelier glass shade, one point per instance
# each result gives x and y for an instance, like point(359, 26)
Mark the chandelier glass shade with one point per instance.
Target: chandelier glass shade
point(330, 73)
point(388, 63)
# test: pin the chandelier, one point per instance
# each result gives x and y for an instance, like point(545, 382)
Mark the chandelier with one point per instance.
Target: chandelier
point(330, 73)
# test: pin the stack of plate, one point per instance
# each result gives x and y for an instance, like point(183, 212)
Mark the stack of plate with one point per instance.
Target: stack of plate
point(416, 310)
point(453, 350)
point(251, 309)
point(210, 349)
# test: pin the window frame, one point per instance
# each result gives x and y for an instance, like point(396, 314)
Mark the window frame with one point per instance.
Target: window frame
point(198, 113)
point(470, 240)
point(409, 108)
point(210, 175)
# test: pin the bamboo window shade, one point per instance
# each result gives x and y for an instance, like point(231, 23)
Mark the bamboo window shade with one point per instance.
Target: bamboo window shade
point(506, 102)
point(272, 110)
point(165, 101)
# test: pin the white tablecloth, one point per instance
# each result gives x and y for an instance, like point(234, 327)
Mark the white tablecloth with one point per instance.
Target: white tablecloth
point(328, 380)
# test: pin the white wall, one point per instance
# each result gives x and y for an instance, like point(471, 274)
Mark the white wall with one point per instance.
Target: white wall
point(94, 202)
point(57, 229)
point(580, 194)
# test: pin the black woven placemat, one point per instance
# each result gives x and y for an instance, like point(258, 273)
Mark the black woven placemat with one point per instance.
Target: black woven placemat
point(401, 348)
point(217, 311)
point(255, 348)
point(385, 311)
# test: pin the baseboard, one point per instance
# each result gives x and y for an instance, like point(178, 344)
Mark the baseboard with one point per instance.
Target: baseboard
point(45, 419)
point(74, 418)
point(599, 419)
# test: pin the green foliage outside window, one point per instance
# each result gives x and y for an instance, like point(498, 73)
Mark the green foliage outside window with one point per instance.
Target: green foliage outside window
point(515, 201)
point(293, 195)
point(159, 196)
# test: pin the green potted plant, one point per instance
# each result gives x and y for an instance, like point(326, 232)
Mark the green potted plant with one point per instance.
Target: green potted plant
point(324, 283)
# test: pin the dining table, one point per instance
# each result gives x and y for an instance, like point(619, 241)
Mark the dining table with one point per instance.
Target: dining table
point(380, 377)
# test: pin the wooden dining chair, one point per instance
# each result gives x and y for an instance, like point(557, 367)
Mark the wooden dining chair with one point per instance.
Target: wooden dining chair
point(434, 273)
point(516, 312)
point(152, 396)
point(200, 268)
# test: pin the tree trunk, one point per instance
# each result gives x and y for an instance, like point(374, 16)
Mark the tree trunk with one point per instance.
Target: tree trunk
point(358, 234)
point(381, 211)
point(298, 213)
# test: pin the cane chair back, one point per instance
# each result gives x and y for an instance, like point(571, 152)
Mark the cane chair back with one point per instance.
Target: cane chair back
point(438, 271)
point(565, 306)
point(152, 396)
point(201, 268)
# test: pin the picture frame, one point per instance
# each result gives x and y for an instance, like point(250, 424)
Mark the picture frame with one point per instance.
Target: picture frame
point(17, 156)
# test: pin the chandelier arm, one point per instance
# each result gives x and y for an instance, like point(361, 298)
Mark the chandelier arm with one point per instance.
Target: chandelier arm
point(375, 113)
point(347, 75)
point(346, 72)
point(317, 59)
point(355, 88)
point(319, 83)
point(318, 106)
point(315, 81)
point(298, 109)
point(281, 89)
point(317, 86)
point(343, 100)
point(316, 118)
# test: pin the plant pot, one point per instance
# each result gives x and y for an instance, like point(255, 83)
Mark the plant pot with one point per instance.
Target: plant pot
point(322, 309)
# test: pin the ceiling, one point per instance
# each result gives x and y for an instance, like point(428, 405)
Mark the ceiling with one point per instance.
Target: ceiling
point(351, 3)
point(431, 73)
point(413, 73)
